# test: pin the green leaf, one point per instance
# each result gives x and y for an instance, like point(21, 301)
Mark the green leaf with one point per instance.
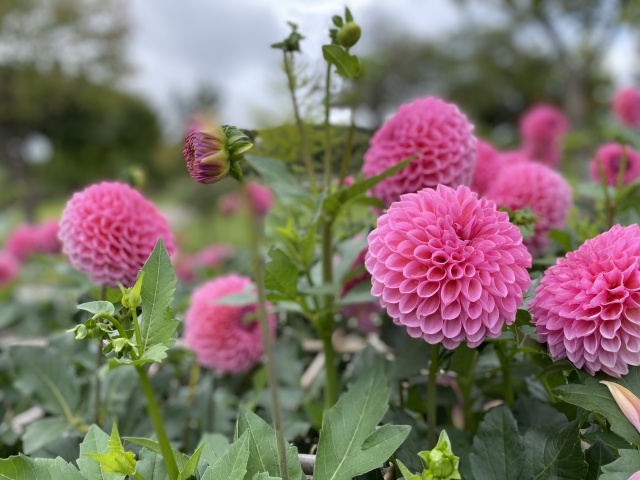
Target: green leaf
point(233, 464)
point(191, 466)
point(597, 456)
point(116, 460)
point(155, 354)
point(157, 325)
point(95, 442)
point(25, 468)
point(277, 175)
point(41, 432)
point(281, 274)
point(591, 395)
point(151, 466)
point(348, 65)
point(265, 476)
point(150, 445)
point(263, 450)
point(553, 453)
point(349, 442)
point(622, 468)
point(497, 447)
point(98, 307)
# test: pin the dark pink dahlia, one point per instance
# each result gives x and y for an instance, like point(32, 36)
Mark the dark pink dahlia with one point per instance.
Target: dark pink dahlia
point(23, 241)
point(626, 106)
point(448, 265)
point(109, 230)
point(543, 123)
point(221, 335)
point(610, 158)
point(587, 306)
point(534, 185)
point(440, 137)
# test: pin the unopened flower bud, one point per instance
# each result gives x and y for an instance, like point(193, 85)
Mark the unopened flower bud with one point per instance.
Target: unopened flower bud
point(440, 462)
point(349, 34)
point(207, 155)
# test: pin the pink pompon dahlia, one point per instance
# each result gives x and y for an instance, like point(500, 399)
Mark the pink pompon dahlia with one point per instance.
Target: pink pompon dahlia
point(543, 123)
point(626, 106)
point(48, 241)
point(213, 256)
point(440, 137)
point(448, 265)
point(23, 242)
point(587, 306)
point(221, 335)
point(9, 267)
point(540, 188)
point(109, 230)
point(488, 164)
point(610, 158)
point(261, 198)
point(512, 157)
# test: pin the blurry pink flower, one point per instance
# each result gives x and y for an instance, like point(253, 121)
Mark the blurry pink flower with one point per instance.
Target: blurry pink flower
point(109, 230)
point(626, 106)
point(488, 164)
point(587, 306)
point(548, 153)
point(47, 238)
point(348, 181)
point(9, 267)
point(185, 267)
point(627, 401)
point(512, 157)
point(539, 187)
point(448, 266)
point(23, 242)
point(213, 256)
point(219, 334)
point(261, 198)
point(635, 476)
point(229, 204)
point(364, 313)
point(433, 130)
point(610, 156)
point(543, 123)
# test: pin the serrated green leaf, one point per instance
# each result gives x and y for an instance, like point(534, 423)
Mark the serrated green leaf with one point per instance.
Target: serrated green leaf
point(623, 467)
point(95, 442)
point(597, 456)
point(116, 460)
point(24, 468)
point(233, 463)
point(216, 445)
point(498, 450)
point(157, 325)
point(43, 431)
point(155, 354)
point(151, 466)
point(349, 442)
point(552, 453)
point(191, 466)
point(98, 307)
point(347, 65)
point(281, 274)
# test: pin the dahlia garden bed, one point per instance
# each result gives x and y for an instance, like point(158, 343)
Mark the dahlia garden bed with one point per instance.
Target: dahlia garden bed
point(451, 311)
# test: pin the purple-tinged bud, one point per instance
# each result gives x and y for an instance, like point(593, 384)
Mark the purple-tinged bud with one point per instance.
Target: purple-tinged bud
point(207, 155)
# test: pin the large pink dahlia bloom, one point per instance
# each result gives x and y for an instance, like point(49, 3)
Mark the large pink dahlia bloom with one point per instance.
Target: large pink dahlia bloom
point(219, 334)
point(587, 306)
point(433, 130)
point(626, 106)
point(488, 163)
point(610, 157)
point(448, 266)
point(109, 230)
point(540, 188)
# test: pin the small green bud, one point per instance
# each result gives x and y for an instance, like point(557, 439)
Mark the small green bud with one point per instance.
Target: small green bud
point(349, 34)
point(440, 463)
point(119, 344)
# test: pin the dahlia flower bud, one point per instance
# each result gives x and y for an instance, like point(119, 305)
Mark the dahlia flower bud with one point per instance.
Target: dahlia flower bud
point(9, 268)
point(543, 190)
point(437, 134)
point(448, 266)
point(609, 156)
point(349, 34)
point(626, 106)
point(440, 462)
point(586, 306)
point(218, 333)
point(627, 401)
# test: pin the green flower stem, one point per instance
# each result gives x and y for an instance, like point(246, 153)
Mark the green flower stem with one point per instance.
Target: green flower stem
point(505, 364)
point(432, 397)
point(255, 234)
point(327, 321)
point(96, 380)
point(610, 207)
point(327, 128)
point(346, 158)
point(306, 154)
point(136, 328)
point(156, 418)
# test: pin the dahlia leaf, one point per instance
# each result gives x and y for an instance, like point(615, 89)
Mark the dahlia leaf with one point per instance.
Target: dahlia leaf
point(98, 307)
point(154, 354)
point(552, 452)
point(498, 451)
point(623, 467)
point(157, 324)
point(95, 442)
point(350, 444)
point(277, 175)
point(233, 464)
point(191, 466)
point(597, 456)
point(281, 274)
point(44, 431)
point(265, 476)
point(24, 468)
point(348, 65)
point(263, 449)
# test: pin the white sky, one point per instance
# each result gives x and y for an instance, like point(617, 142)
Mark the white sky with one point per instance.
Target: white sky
point(180, 44)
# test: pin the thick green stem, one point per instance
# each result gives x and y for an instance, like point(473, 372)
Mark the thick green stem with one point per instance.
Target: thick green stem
point(136, 327)
point(327, 319)
point(156, 419)
point(255, 234)
point(432, 397)
point(346, 158)
point(306, 154)
point(505, 364)
point(327, 128)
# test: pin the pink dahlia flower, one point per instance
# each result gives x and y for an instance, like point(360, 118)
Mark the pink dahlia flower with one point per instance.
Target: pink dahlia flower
point(512, 157)
point(23, 242)
point(548, 153)
point(364, 313)
point(219, 334)
point(543, 123)
point(440, 137)
point(109, 230)
point(610, 157)
point(488, 163)
point(229, 204)
point(213, 256)
point(587, 306)
point(448, 266)
point(261, 198)
point(47, 238)
point(9, 267)
point(626, 106)
point(185, 267)
point(540, 188)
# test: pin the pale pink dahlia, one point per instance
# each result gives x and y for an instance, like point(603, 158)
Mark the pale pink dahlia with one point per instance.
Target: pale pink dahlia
point(540, 188)
point(109, 230)
point(488, 164)
point(9, 267)
point(261, 198)
point(626, 106)
point(433, 130)
point(221, 335)
point(610, 157)
point(448, 265)
point(543, 123)
point(587, 306)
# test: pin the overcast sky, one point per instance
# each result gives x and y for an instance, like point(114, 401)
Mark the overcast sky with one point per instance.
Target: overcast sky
point(180, 44)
